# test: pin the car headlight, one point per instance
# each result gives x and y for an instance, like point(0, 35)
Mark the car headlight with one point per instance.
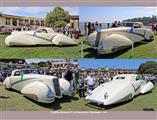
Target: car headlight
point(62, 90)
point(106, 95)
point(50, 94)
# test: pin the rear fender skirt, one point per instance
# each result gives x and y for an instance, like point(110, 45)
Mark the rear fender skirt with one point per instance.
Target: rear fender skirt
point(126, 98)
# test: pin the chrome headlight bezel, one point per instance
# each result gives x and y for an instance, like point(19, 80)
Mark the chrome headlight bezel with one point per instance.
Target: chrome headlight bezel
point(50, 94)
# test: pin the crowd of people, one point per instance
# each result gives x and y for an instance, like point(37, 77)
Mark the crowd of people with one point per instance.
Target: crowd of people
point(71, 32)
point(91, 27)
point(151, 77)
point(90, 82)
point(154, 27)
point(70, 72)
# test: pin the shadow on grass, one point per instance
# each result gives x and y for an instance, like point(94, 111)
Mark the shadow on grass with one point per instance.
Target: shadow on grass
point(56, 105)
point(92, 53)
point(148, 109)
point(35, 46)
point(102, 107)
point(4, 97)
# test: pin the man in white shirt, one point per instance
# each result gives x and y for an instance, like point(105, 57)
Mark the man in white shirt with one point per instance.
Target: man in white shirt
point(90, 81)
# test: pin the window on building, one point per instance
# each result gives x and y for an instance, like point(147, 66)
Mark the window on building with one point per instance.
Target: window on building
point(7, 21)
point(21, 22)
point(14, 22)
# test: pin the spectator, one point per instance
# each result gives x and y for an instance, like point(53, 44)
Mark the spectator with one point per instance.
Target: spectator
point(108, 25)
point(68, 73)
point(81, 89)
point(90, 81)
point(89, 28)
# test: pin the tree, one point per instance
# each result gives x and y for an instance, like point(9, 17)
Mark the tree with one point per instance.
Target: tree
point(148, 67)
point(144, 20)
point(57, 18)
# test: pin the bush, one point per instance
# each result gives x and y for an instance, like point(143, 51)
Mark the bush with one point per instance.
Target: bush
point(5, 33)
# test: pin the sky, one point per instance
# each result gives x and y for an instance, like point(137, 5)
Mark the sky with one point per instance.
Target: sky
point(35, 11)
point(113, 63)
point(110, 14)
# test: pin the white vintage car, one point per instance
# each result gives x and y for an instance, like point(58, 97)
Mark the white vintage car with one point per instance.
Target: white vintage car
point(42, 36)
point(41, 88)
point(122, 88)
point(111, 40)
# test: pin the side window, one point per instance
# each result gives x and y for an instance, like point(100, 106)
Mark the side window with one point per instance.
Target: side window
point(44, 30)
point(137, 25)
point(17, 73)
point(120, 78)
point(139, 77)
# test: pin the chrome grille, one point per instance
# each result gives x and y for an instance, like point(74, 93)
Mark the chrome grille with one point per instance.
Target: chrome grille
point(56, 87)
point(97, 39)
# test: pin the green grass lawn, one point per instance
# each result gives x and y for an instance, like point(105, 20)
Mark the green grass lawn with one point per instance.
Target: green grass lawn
point(38, 51)
point(143, 50)
point(14, 101)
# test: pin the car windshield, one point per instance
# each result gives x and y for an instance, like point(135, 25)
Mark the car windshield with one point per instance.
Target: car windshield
point(139, 77)
point(41, 31)
point(128, 24)
point(29, 71)
point(120, 78)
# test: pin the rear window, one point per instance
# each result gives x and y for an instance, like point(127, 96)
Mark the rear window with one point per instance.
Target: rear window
point(119, 78)
point(128, 24)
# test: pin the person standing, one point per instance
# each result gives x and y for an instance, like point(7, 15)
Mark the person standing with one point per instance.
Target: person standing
point(108, 25)
point(75, 76)
point(85, 28)
point(68, 74)
point(90, 81)
point(89, 28)
point(81, 88)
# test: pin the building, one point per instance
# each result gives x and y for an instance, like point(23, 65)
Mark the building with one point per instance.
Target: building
point(14, 21)
point(63, 64)
point(74, 21)
point(107, 71)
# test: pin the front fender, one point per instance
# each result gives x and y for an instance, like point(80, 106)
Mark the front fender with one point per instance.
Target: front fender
point(147, 88)
point(65, 86)
point(7, 83)
point(19, 39)
point(38, 91)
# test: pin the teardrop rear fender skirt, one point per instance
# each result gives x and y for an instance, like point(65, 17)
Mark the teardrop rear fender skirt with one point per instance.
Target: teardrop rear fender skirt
point(62, 40)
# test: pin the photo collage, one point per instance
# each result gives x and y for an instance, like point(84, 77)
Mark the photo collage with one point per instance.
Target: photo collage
point(86, 58)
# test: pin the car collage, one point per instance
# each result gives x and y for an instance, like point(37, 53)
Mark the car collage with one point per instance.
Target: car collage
point(78, 59)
